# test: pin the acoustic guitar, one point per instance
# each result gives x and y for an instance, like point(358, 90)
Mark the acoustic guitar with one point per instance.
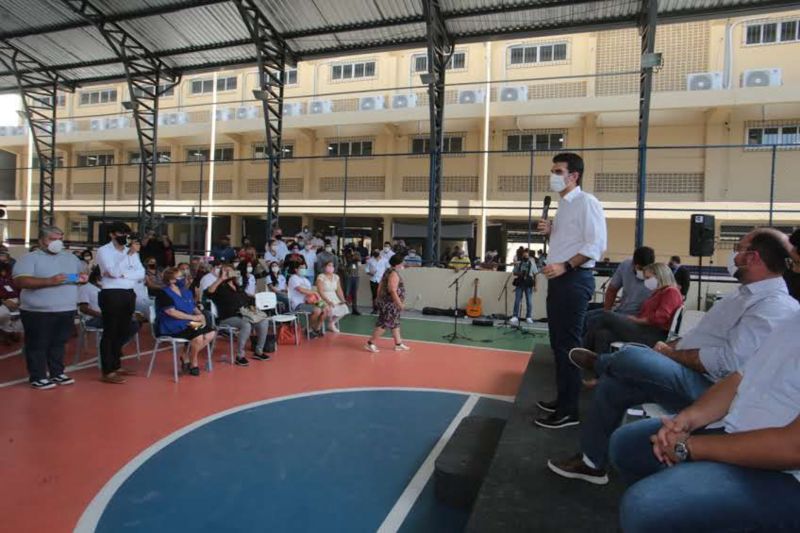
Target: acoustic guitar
point(474, 304)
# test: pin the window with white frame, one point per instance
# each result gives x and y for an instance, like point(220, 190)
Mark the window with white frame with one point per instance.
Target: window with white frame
point(527, 141)
point(291, 77)
point(206, 86)
point(78, 229)
point(457, 62)
point(59, 161)
point(338, 148)
point(785, 31)
point(452, 144)
point(534, 54)
point(164, 89)
point(162, 156)
point(260, 151)
point(766, 136)
point(203, 153)
point(353, 71)
point(95, 159)
point(103, 96)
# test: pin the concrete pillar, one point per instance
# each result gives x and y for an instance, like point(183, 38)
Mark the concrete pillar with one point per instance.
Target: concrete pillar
point(387, 230)
point(592, 159)
point(480, 237)
point(236, 230)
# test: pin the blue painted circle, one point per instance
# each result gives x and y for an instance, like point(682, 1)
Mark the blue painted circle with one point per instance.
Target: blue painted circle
point(330, 462)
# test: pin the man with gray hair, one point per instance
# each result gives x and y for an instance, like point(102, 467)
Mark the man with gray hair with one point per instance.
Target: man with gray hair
point(49, 279)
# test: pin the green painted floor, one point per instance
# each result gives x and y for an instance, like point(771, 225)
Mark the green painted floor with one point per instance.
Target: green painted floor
point(433, 331)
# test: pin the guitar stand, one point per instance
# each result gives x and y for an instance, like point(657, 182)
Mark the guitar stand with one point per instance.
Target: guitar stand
point(451, 337)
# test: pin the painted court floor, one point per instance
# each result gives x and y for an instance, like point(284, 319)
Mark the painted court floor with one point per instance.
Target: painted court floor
point(324, 437)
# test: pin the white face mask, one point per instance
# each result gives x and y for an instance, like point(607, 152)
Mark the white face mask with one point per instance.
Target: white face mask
point(732, 268)
point(55, 247)
point(651, 283)
point(639, 274)
point(387, 248)
point(249, 269)
point(275, 270)
point(557, 183)
point(328, 249)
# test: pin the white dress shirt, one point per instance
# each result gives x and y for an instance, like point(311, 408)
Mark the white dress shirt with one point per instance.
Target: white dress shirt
point(120, 269)
point(376, 268)
point(269, 257)
point(310, 256)
point(731, 332)
point(767, 396)
point(206, 281)
point(282, 250)
point(579, 227)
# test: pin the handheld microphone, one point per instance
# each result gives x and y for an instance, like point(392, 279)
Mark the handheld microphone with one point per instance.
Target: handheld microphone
point(546, 209)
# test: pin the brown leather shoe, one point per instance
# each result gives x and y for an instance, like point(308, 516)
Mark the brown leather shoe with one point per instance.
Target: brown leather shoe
point(583, 358)
point(113, 377)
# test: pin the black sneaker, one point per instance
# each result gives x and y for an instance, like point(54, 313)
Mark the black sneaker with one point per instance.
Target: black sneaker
point(186, 367)
point(194, 370)
point(242, 361)
point(43, 384)
point(556, 421)
point(261, 357)
point(62, 379)
point(575, 468)
point(549, 407)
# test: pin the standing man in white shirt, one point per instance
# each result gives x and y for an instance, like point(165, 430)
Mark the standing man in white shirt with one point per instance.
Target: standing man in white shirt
point(376, 266)
point(121, 269)
point(577, 240)
point(310, 255)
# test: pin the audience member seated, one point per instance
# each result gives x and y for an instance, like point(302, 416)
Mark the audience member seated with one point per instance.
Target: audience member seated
point(376, 266)
point(681, 274)
point(650, 325)
point(229, 299)
point(460, 260)
point(676, 374)
point(272, 253)
point(490, 262)
point(628, 278)
point(412, 259)
point(330, 290)
point(294, 255)
point(222, 252)
point(88, 305)
point(178, 316)
point(324, 257)
point(792, 275)
point(209, 278)
point(309, 258)
point(276, 282)
point(304, 299)
point(10, 324)
point(742, 476)
point(152, 276)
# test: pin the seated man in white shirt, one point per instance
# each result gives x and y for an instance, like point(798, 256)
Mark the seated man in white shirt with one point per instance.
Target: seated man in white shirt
point(676, 374)
point(743, 476)
point(88, 305)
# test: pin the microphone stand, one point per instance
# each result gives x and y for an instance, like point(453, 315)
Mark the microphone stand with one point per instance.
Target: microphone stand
point(504, 292)
point(455, 335)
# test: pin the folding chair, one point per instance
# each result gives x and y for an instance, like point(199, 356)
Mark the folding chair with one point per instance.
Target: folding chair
point(174, 342)
point(267, 301)
point(672, 335)
point(85, 330)
point(230, 331)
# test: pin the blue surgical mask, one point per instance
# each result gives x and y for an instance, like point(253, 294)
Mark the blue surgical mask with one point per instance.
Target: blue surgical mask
point(302, 271)
point(180, 282)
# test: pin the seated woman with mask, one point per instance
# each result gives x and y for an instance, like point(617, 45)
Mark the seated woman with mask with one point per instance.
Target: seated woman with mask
point(276, 282)
point(178, 316)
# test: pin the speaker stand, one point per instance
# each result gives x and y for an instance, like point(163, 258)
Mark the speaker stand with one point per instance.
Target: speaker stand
point(699, 283)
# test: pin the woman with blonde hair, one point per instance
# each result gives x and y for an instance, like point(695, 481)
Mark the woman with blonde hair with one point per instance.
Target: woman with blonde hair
point(652, 323)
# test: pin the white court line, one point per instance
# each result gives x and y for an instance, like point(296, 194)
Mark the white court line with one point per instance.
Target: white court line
point(11, 354)
point(436, 343)
point(406, 501)
point(91, 516)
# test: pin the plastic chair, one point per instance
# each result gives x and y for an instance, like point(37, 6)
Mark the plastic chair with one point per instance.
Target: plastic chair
point(268, 301)
point(174, 342)
point(230, 331)
point(84, 330)
point(672, 335)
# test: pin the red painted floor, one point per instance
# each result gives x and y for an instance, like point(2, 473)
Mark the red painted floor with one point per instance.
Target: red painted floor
point(59, 447)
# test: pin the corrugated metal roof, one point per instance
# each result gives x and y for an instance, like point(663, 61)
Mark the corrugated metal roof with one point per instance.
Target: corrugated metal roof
point(189, 35)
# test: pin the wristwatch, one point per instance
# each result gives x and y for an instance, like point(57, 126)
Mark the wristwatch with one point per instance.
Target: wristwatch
point(568, 266)
point(682, 451)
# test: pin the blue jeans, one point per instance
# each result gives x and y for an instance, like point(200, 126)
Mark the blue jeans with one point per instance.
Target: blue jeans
point(567, 298)
point(528, 292)
point(351, 291)
point(630, 377)
point(698, 496)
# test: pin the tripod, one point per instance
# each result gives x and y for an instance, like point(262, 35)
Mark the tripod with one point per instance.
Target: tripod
point(451, 337)
point(503, 293)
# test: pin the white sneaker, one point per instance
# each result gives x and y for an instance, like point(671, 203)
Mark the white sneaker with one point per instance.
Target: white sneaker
point(529, 320)
point(334, 327)
point(401, 347)
point(371, 347)
point(514, 321)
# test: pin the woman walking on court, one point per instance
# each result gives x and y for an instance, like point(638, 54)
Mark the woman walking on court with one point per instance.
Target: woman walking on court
point(391, 295)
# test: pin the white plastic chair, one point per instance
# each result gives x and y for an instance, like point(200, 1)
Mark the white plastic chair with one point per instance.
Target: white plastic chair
point(268, 301)
point(229, 330)
point(672, 335)
point(85, 330)
point(164, 339)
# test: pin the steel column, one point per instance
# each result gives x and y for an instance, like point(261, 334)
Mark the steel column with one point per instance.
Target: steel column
point(38, 88)
point(145, 73)
point(440, 50)
point(647, 30)
point(271, 57)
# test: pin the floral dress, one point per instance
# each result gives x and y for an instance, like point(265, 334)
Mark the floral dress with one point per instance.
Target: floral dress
point(388, 312)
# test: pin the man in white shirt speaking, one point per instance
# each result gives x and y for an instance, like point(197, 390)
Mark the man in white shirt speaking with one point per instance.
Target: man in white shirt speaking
point(121, 269)
point(577, 240)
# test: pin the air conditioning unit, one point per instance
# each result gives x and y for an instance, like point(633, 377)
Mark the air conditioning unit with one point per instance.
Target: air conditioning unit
point(370, 103)
point(97, 124)
point(765, 77)
point(117, 123)
point(704, 81)
point(292, 109)
point(65, 126)
point(317, 107)
point(245, 112)
point(517, 93)
point(172, 119)
point(225, 114)
point(470, 96)
point(402, 101)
